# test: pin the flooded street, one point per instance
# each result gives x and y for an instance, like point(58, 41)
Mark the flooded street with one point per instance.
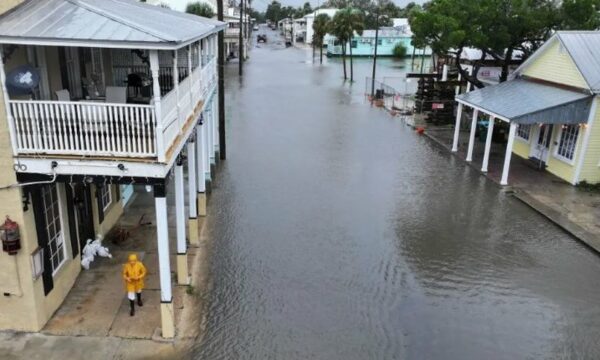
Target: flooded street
point(338, 233)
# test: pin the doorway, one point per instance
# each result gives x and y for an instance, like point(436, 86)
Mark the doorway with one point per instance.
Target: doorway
point(541, 144)
point(84, 213)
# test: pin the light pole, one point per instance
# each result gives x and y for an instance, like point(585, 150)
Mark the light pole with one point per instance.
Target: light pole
point(221, 92)
point(241, 39)
point(375, 54)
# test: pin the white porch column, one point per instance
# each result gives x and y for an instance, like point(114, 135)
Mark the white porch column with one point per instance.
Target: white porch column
point(183, 275)
point(160, 144)
point(211, 142)
point(488, 145)
point(190, 73)
point(205, 132)
point(509, 146)
point(192, 191)
point(201, 172)
point(176, 83)
point(457, 128)
point(215, 115)
point(472, 135)
point(164, 267)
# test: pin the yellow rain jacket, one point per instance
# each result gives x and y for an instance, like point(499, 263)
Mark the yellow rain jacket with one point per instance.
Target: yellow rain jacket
point(134, 273)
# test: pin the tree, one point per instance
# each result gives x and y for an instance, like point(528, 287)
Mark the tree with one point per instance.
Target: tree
point(580, 15)
point(320, 26)
point(399, 51)
point(200, 9)
point(274, 11)
point(306, 9)
point(344, 24)
point(498, 28)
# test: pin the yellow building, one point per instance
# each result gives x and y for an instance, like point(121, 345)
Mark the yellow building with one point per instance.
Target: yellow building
point(551, 105)
point(97, 95)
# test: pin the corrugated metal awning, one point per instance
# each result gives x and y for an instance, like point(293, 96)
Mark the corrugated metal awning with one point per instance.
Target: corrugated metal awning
point(102, 23)
point(528, 102)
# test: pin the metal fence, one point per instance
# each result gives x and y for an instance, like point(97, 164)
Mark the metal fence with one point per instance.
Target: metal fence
point(393, 99)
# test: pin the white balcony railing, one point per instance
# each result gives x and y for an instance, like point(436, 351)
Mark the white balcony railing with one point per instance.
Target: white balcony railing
point(105, 129)
point(81, 128)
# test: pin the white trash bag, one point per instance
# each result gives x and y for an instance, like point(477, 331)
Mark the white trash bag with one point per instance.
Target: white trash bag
point(93, 249)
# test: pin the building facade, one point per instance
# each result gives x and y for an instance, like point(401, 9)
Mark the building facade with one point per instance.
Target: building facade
point(551, 106)
point(91, 105)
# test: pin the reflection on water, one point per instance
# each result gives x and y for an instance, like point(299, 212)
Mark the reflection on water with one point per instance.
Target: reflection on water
point(340, 234)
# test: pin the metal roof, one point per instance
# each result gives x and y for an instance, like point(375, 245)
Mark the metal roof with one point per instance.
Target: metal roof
point(103, 23)
point(528, 102)
point(584, 48)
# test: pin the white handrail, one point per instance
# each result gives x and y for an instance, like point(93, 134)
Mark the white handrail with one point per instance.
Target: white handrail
point(84, 128)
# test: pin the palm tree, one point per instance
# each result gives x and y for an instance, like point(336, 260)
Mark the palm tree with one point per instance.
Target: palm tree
point(320, 26)
point(344, 24)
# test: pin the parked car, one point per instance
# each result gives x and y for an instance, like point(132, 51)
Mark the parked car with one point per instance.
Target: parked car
point(255, 28)
point(261, 38)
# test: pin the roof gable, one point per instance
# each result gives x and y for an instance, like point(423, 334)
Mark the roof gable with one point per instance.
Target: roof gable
point(583, 50)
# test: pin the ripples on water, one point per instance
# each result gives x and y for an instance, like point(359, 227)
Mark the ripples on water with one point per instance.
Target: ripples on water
point(340, 234)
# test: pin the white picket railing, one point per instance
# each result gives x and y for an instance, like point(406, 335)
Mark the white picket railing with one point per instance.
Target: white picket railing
point(104, 129)
point(84, 128)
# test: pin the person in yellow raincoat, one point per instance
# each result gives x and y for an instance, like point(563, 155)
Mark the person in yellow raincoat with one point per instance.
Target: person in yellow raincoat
point(134, 273)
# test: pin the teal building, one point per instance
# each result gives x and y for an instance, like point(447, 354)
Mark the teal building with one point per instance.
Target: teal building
point(364, 45)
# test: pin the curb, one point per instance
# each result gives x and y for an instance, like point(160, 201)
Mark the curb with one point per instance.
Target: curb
point(586, 238)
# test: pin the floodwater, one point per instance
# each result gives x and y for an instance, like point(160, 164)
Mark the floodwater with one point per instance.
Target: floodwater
point(340, 234)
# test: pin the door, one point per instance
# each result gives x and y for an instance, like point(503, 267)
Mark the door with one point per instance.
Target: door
point(84, 214)
point(541, 143)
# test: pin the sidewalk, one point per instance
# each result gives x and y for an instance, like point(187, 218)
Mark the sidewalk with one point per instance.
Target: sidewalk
point(574, 210)
point(94, 323)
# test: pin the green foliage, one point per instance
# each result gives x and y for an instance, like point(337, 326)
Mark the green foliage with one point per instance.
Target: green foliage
point(587, 187)
point(320, 27)
point(497, 27)
point(343, 26)
point(580, 15)
point(399, 51)
point(274, 11)
point(200, 9)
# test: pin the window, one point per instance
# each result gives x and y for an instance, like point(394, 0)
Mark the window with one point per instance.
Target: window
point(354, 44)
point(105, 197)
point(56, 242)
point(379, 42)
point(567, 141)
point(523, 131)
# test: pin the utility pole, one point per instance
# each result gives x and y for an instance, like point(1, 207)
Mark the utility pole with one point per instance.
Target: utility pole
point(375, 54)
point(241, 38)
point(221, 89)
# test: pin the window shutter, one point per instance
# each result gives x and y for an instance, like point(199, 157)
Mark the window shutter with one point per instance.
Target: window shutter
point(118, 192)
point(71, 214)
point(42, 237)
point(99, 204)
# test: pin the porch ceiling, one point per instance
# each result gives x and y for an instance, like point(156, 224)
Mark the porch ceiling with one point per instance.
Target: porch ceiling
point(102, 23)
point(528, 102)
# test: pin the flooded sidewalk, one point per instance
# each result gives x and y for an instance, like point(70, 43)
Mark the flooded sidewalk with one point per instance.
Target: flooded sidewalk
point(575, 210)
point(94, 322)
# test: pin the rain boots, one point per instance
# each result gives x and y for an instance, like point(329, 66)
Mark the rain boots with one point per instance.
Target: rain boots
point(132, 304)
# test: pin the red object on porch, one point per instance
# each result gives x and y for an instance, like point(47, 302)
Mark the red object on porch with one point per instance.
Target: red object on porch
point(420, 130)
